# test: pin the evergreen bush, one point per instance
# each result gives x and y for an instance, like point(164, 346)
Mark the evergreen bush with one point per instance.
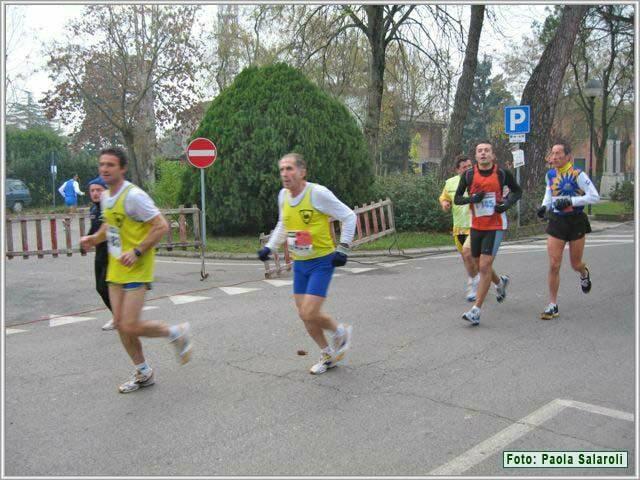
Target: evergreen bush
point(265, 113)
point(415, 201)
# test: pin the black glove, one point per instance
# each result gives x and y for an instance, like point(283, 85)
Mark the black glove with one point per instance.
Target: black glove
point(339, 259)
point(476, 197)
point(501, 207)
point(562, 203)
point(263, 253)
point(541, 211)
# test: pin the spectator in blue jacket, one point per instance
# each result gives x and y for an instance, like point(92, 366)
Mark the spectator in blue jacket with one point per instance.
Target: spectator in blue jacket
point(70, 191)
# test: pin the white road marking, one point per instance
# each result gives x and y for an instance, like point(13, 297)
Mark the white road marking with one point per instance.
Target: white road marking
point(358, 270)
point(56, 322)
point(611, 236)
point(392, 264)
point(11, 331)
point(149, 307)
point(279, 283)
point(182, 299)
point(494, 444)
point(609, 412)
point(237, 290)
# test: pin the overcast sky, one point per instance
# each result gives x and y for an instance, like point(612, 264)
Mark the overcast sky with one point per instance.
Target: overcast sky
point(29, 26)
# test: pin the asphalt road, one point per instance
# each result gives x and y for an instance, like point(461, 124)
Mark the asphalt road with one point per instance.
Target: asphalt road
point(421, 392)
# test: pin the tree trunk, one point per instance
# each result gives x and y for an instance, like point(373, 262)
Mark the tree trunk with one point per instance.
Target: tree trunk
point(541, 93)
point(464, 89)
point(375, 35)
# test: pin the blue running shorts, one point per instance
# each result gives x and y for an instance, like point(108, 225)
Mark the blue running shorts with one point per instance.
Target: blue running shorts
point(312, 277)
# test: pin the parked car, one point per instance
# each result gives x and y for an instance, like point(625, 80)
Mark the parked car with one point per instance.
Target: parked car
point(17, 194)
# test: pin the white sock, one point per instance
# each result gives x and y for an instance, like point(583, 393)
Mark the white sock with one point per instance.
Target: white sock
point(328, 350)
point(475, 308)
point(143, 368)
point(174, 332)
point(339, 331)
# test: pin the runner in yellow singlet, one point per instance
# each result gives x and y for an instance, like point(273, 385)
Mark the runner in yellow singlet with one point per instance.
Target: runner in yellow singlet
point(461, 224)
point(305, 209)
point(132, 226)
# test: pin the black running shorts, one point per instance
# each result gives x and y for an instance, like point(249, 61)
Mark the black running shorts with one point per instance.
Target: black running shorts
point(485, 242)
point(568, 227)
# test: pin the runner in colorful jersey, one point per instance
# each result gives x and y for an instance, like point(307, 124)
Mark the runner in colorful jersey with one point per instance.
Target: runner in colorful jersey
point(485, 183)
point(132, 226)
point(461, 224)
point(568, 190)
point(305, 209)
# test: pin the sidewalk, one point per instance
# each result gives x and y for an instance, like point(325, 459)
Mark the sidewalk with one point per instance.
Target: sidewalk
point(596, 226)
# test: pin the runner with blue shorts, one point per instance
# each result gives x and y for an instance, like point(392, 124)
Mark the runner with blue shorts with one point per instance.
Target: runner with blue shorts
point(305, 209)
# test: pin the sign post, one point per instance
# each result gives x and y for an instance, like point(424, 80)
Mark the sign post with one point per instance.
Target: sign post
point(517, 124)
point(201, 153)
point(54, 171)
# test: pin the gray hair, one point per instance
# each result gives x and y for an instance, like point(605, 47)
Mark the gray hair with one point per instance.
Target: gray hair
point(298, 158)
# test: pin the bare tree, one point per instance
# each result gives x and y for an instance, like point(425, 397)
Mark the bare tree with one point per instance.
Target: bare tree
point(381, 25)
point(133, 66)
point(463, 92)
point(604, 50)
point(542, 90)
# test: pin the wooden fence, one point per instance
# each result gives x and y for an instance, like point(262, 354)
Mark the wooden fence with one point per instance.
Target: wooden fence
point(373, 221)
point(184, 232)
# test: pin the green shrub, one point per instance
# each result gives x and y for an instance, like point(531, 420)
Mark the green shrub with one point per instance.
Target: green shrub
point(624, 192)
point(169, 177)
point(265, 113)
point(415, 201)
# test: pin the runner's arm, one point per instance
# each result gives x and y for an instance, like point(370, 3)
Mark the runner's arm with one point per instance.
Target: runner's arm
point(159, 228)
point(444, 197)
point(97, 238)
point(459, 198)
point(590, 196)
point(279, 234)
point(547, 200)
point(325, 201)
point(515, 191)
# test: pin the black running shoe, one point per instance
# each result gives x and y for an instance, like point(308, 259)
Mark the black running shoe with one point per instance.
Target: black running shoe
point(585, 282)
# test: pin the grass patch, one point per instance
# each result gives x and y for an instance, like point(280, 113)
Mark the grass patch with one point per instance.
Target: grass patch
point(406, 240)
point(611, 208)
point(240, 244)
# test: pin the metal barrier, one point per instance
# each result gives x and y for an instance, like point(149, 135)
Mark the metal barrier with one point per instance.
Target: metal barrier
point(180, 229)
point(373, 221)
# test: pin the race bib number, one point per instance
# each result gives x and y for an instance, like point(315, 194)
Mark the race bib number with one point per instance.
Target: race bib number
point(113, 242)
point(300, 243)
point(487, 206)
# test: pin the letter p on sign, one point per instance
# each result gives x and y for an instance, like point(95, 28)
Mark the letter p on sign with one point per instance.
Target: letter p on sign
point(517, 119)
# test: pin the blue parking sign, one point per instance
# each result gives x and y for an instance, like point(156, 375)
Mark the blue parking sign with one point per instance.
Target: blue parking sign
point(517, 119)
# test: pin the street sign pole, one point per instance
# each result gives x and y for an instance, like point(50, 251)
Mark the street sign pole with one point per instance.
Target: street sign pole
point(201, 153)
point(518, 202)
point(517, 124)
point(204, 233)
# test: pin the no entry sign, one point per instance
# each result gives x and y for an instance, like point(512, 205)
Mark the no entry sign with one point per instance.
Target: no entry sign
point(201, 153)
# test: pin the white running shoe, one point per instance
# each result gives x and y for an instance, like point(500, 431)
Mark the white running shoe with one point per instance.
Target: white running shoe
point(183, 343)
point(472, 291)
point(472, 316)
point(326, 362)
point(109, 325)
point(137, 381)
point(501, 289)
point(341, 343)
